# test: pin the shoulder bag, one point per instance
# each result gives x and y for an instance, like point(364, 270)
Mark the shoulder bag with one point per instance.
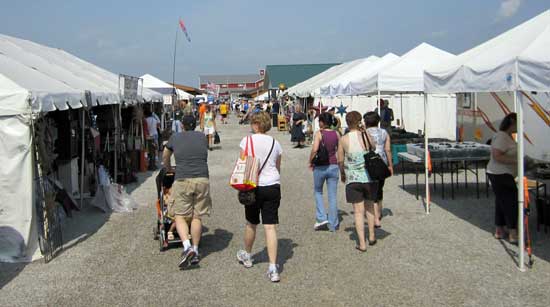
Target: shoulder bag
point(374, 164)
point(248, 198)
point(321, 157)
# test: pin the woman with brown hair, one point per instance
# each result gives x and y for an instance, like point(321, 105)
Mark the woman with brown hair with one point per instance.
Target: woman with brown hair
point(360, 189)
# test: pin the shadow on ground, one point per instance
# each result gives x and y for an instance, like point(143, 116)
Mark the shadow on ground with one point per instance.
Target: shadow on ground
point(9, 271)
point(480, 212)
point(380, 233)
point(215, 242)
point(285, 251)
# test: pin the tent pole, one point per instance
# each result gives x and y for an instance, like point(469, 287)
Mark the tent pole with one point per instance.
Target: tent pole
point(82, 157)
point(116, 145)
point(378, 105)
point(521, 191)
point(402, 124)
point(426, 153)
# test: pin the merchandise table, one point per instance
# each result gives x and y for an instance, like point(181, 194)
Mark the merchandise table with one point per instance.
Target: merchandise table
point(451, 166)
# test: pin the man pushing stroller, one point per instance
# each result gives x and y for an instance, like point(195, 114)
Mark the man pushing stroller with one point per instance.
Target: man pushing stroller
point(191, 188)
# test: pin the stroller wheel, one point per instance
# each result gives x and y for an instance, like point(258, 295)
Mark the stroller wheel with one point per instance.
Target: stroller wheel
point(162, 246)
point(155, 233)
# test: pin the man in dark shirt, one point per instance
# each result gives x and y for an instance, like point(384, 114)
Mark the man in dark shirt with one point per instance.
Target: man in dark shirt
point(275, 112)
point(191, 188)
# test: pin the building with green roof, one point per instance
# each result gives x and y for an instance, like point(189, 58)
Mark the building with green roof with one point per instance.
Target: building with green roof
point(290, 75)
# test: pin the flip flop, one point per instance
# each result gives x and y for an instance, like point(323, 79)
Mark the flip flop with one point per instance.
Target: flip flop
point(361, 250)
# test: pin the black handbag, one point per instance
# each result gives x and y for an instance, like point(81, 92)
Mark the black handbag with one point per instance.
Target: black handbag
point(374, 164)
point(248, 198)
point(321, 158)
point(216, 138)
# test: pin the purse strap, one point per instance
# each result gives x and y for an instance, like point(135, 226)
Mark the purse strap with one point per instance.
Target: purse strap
point(249, 139)
point(363, 134)
point(268, 156)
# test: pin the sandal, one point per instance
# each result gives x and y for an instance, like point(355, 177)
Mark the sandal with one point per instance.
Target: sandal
point(360, 249)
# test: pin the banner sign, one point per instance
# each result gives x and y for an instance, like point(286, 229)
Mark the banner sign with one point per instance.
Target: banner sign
point(212, 89)
point(130, 88)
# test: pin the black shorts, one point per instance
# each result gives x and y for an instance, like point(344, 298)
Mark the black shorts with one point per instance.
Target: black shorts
point(224, 115)
point(358, 192)
point(267, 204)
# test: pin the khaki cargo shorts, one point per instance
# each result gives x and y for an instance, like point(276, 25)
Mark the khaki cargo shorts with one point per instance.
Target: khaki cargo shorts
point(191, 198)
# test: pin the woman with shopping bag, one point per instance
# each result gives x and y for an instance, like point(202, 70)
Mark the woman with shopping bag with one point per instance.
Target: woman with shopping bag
point(257, 174)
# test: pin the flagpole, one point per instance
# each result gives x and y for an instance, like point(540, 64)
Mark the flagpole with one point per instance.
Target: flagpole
point(174, 67)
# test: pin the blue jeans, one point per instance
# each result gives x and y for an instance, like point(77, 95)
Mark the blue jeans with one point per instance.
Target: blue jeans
point(330, 173)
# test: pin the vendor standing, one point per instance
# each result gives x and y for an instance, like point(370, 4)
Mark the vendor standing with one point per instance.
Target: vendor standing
point(275, 108)
point(502, 171)
point(153, 125)
point(297, 132)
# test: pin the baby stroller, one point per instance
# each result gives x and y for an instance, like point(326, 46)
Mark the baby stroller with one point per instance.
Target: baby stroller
point(245, 120)
point(164, 182)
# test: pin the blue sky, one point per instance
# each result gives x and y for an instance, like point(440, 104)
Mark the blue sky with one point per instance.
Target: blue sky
point(242, 36)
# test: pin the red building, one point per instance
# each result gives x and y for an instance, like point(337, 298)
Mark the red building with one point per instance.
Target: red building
point(231, 86)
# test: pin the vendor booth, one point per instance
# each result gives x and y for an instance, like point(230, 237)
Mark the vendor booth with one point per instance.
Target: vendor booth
point(517, 62)
point(50, 105)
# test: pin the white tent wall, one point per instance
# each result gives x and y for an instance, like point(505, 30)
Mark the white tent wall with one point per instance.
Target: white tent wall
point(441, 115)
point(487, 106)
point(441, 118)
point(18, 234)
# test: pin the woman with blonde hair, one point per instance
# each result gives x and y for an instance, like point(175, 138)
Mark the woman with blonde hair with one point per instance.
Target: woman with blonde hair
point(360, 188)
point(268, 193)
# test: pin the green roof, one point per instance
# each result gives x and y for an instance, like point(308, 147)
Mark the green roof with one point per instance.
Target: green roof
point(291, 75)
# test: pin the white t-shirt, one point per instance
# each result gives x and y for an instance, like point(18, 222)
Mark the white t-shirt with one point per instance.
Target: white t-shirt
point(262, 144)
point(152, 125)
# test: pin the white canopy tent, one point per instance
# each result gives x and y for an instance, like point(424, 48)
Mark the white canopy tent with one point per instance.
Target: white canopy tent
point(262, 97)
point(68, 69)
point(32, 91)
point(406, 75)
point(517, 60)
point(37, 79)
point(312, 86)
point(153, 83)
point(340, 86)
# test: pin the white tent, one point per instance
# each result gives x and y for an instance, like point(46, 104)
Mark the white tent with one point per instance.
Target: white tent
point(340, 86)
point(262, 97)
point(153, 83)
point(312, 86)
point(66, 68)
point(404, 75)
point(19, 240)
point(37, 79)
point(517, 60)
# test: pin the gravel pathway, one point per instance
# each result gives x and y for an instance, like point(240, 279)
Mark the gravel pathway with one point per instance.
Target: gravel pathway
point(447, 258)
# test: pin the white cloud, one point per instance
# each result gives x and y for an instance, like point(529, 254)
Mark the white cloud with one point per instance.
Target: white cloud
point(508, 8)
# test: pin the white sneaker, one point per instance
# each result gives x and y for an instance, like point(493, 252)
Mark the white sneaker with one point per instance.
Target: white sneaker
point(320, 225)
point(244, 258)
point(273, 276)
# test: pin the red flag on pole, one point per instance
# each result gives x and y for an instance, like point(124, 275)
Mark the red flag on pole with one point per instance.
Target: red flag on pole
point(184, 29)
